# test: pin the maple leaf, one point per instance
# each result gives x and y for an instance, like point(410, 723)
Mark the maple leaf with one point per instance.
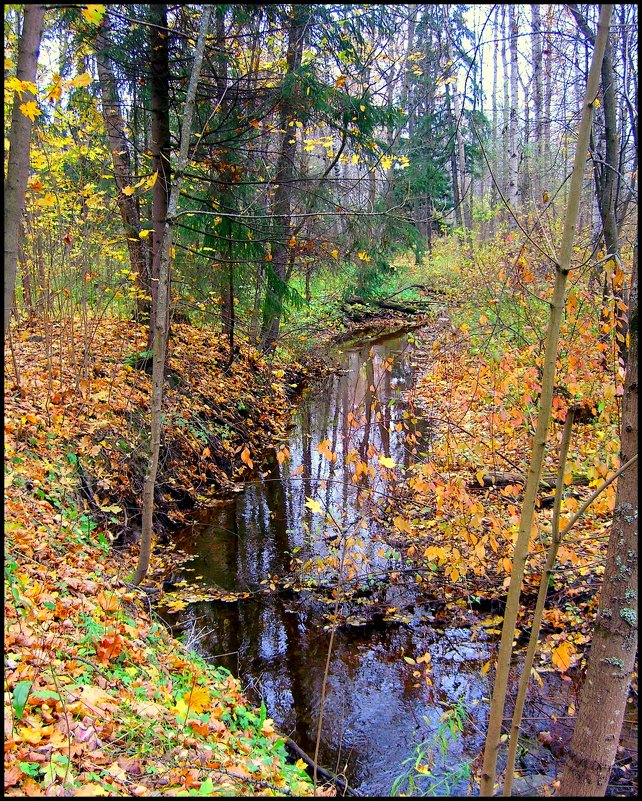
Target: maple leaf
point(561, 656)
point(108, 601)
point(12, 776)
point(109, 647)
point(314, 505)
point(84, 79)
point(93, 13)
point(149, 182)
point(197, 699)
point(30, 109)
point(20, 86)
point(267, 727)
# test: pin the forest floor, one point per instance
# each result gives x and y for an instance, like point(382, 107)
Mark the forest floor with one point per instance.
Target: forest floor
point(99, 699)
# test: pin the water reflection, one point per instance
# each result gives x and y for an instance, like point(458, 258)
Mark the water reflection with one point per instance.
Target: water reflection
point(277, 644)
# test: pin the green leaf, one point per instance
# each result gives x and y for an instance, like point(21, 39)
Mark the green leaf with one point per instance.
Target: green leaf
point(20, 695)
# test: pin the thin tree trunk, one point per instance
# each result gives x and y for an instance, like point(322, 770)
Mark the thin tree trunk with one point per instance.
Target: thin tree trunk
point(160, 144)
point(611, 659)
point(538, 614)
point(15, 185)
point(536, 57)
point(513, 153)
point(160, 333)
point(607, 180)
point(520, 555)
point(495, 132)
point(505, 108)
point(548, 90)
point(282, 208)
point(123, 176)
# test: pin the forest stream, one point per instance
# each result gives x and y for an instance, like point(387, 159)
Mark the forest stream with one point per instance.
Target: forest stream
point(379, 709)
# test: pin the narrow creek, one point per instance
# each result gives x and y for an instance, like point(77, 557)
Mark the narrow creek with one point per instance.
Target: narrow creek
point(379, 708)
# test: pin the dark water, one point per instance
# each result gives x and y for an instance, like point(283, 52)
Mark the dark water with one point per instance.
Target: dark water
point(379, 708)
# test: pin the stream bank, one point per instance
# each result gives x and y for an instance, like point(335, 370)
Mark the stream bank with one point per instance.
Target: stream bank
point(253, 594)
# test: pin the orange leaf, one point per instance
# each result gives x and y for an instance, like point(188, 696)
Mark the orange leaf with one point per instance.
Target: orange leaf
point(561, 656)
point(245, 458)
point(12, 776)
point(109, 647)
point(108, 601)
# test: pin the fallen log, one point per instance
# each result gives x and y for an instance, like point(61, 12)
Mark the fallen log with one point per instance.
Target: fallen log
point(392, 305)
point(495, 478)
point(341, 785)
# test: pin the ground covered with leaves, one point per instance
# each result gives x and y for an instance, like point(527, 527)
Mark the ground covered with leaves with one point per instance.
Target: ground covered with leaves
point(99, 699)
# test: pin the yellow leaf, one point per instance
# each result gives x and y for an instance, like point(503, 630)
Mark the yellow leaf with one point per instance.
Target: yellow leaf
point(93, 13)
point(561, 656)
point(84, 79)
point(409, 660)
point(197, 699)
point(362, 107)
point(268, 726)
point(128, 190)
point(402, 524)
point(334, 253)
point(386, 461)
point(144, 233)
point(301, 764)
point(314, 505)
point(30, 735)
point(149, 182)
point(486, 667)
point(47, 201)
point(90, 790)
point(20, 86)
point(30, 109)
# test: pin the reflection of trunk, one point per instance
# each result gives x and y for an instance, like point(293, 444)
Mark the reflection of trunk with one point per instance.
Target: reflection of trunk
point(282, 208)
point(15, 186)
point(121, 162)
point(160, 144)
